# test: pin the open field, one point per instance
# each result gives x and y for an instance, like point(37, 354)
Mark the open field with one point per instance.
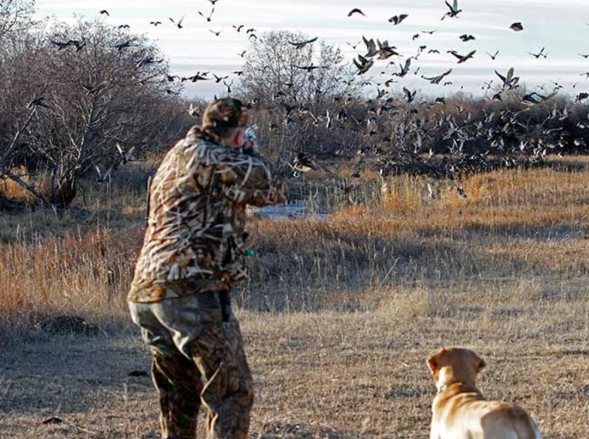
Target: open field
point(338, 317)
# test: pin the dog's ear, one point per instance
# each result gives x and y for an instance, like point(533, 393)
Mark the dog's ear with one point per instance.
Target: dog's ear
point(478, 362)
point(433, 363)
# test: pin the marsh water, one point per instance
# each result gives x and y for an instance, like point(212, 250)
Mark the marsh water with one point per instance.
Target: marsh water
point(294, 209)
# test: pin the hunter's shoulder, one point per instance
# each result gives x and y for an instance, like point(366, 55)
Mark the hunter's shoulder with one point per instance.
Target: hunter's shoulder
point(194, 144)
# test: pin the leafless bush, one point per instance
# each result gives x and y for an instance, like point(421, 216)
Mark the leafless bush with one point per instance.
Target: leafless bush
point(15, 15)
point(94, 92)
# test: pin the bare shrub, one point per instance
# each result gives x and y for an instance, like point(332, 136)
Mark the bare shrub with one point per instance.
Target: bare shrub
point(96, 92)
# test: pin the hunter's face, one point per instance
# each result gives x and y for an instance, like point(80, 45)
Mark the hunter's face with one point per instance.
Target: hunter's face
point(237, 140)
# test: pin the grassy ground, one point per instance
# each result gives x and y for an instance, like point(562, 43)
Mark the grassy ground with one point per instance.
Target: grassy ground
point(339, 315)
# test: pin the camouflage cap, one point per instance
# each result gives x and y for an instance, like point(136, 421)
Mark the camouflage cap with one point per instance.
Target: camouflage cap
point(223, 114)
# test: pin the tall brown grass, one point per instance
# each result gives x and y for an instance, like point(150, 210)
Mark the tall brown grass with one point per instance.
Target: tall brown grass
point(512, 227)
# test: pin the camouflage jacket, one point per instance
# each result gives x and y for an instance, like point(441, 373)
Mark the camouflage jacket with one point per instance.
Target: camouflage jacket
point(195, 232)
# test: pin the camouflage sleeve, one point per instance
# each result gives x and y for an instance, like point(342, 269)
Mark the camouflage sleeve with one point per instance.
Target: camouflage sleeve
point(248, 179)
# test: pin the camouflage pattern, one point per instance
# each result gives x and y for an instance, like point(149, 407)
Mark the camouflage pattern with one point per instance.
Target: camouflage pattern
point(195, 233)
point(192, 254)
point(224, 114)
point(197, 359)
point(179, 385)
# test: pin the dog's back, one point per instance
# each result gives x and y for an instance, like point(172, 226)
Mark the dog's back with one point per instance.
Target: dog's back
point(462, 415)
point(509, 422)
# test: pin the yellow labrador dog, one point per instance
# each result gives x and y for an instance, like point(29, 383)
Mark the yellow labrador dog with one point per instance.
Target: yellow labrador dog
point(460, 411)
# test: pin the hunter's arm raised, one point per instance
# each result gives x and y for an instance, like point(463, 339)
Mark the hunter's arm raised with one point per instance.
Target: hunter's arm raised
point(248, 178)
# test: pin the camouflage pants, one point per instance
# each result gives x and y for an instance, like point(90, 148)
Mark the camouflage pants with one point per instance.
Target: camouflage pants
point(197, 359)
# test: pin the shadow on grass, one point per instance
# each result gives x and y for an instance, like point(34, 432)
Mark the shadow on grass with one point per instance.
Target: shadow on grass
point(70, 374)
point(332, 271)
point(540, 233)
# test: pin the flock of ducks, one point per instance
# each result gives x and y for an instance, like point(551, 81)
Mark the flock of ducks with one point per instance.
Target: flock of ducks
point(363, 62)
point(417, 135)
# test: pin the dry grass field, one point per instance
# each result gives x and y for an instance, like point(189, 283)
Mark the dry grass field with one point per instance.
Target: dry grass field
point(339, 315)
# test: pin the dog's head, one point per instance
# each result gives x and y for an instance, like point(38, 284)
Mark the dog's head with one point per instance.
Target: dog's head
point(450, 365)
